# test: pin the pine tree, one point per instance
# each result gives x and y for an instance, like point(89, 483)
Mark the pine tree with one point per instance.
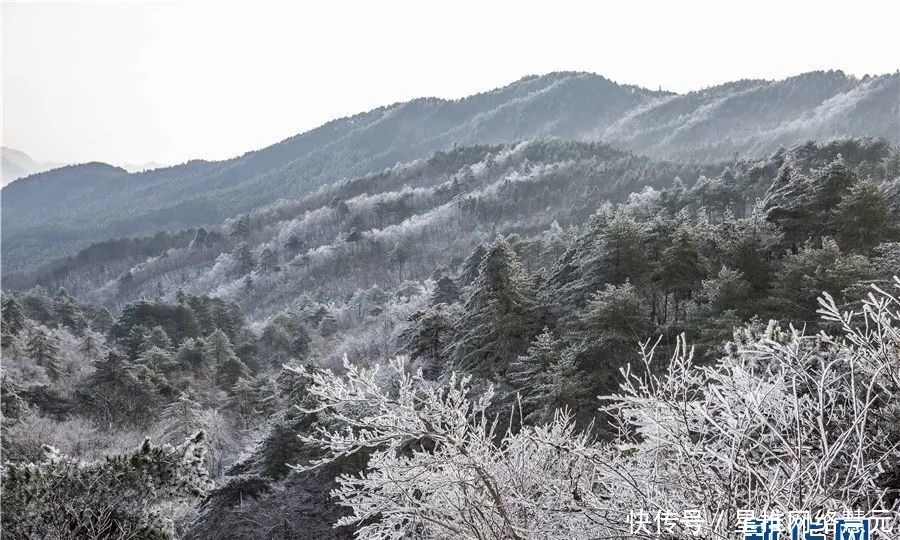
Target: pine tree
point(91, 344)
point(559, 387)
point(328, 325)
point(254, 398)
point(428, 337)
point(469, 271)
point(269, 260)
point(608, 330)
point(44, 350)
point(119, 392)
point(66, 311)
point(11, 319)
point(750, 246)
point(12, 406)
point(200, 240)
point(787, 204)
point(182, 418)
point(679, 271)
point(191, 356)
point(805, 275)
point(399, 256)
point(726, 291)
point(284, 338)
point(157, 337)
point(294, 244)
point(243, 259)
point(445, 291)
point(241, 229)
point(499, 313)
point(863, 219)
point(829, 186)
point(136, 341)
point(118, 497)
point(158, 360)
point(611, 248)
point(228, 367)
point(534, 375)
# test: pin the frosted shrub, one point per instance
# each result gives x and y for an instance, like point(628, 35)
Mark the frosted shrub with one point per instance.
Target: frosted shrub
point(783, 422)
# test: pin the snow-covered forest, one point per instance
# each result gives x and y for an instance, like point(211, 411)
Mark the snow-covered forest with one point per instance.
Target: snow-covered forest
point(501, 340)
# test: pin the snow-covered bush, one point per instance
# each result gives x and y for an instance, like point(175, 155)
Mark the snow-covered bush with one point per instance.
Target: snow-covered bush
point(117, 497)
point(783, 422)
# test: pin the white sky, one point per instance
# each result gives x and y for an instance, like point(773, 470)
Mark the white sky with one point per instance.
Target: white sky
point(166, 82)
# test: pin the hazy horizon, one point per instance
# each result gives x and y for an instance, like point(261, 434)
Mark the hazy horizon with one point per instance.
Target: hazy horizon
point(166, 83)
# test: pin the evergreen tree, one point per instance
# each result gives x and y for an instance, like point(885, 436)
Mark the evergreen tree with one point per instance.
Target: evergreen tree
point(864, 219)
point(191, 356)
point(399, 256)
point(157, 337)
point(91, 344)
point(66, 311)
point(610, 249)
point(118, 497)
point(806, 274)
point(525, 371)
point(499, 313)
point(136, 343)
point(829, 186)
point(328, 325)
point(428, 338)
point(726, 291)
point(158, 360)
point(608, 330)
point(750, 246)
point(559, 387)
point(44, 350)
point(251, 399)
point(294, 244)
point(12, 320)
point(468, 273)
point(243, 259)
point(787, 204)
point(284, 338)
point(228, 367)
point(679, 271)
point(241, 228)
point(12, 407)
point(200, 240)
point(445, 291)
point(119, 392)
point(269, 260)
point(182, 418)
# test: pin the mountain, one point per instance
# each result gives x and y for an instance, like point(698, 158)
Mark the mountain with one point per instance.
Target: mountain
point(754, 117)
point(17, 164)
point(749, 117)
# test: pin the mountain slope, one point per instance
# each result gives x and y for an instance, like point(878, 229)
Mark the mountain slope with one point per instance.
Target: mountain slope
point(759, 115)
point(756, 117)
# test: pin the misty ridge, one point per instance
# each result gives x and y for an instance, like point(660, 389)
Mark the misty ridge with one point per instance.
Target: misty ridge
point(397, 325)
point(54, 214)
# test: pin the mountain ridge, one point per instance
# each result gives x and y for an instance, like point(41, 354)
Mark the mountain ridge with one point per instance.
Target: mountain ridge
point(706, 124)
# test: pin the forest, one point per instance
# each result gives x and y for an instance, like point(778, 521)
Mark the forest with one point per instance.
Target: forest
point(514, 340)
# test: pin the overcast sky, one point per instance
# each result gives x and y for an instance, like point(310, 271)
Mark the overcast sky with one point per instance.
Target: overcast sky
point(166, 82)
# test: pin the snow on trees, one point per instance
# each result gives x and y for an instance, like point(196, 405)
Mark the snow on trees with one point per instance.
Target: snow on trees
point(50, 499)
point(783, 421)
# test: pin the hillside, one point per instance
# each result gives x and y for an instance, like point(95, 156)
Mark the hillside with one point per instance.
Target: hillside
point(533, 269)
point(748, 117)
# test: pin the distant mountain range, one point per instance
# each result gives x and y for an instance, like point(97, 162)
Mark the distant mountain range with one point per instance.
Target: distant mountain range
point(18, 164)
point(55, 213)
